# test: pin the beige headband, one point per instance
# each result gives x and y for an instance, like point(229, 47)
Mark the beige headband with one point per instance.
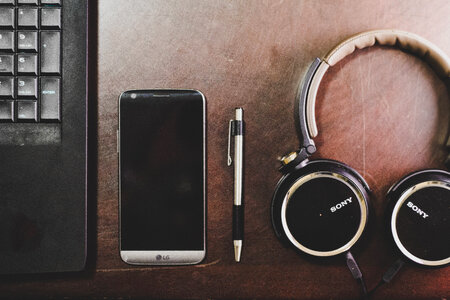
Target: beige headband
point(413, 43)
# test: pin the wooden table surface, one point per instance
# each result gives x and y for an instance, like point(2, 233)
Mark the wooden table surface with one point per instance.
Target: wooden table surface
point(380, 110)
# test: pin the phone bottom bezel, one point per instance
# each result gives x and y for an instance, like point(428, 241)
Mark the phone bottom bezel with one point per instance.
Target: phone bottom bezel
point(163, 257)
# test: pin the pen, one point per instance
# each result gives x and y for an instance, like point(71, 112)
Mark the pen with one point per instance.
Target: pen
point(236, 129)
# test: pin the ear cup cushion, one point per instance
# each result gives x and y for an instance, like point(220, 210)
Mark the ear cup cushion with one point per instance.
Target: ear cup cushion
point(321, 209)
point(418, 217)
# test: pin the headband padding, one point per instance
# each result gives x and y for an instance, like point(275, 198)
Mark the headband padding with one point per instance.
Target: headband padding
point(402, 39)
point(410, 42)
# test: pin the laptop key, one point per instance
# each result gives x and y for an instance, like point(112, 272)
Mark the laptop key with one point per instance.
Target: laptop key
point(6, 2)
point(7, 17)
point(28, 17)
point(51, 17)
point(7, 87)
point(58, 2)
point(7, 64)
point(26, 110)
point(50, 52)
point(6, 111)
point(7, 41)
point(29, 2)
point(27, 40)
point(27, 87)
point(50, 99)
point(27, 64)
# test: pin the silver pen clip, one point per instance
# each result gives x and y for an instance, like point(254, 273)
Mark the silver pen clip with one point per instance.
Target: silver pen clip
point(230, 161)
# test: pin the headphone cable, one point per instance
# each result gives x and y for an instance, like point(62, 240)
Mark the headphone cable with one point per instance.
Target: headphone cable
point(356, 273)
point(389, 275)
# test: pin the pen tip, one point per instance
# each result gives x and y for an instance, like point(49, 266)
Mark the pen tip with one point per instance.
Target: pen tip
point(237, 250)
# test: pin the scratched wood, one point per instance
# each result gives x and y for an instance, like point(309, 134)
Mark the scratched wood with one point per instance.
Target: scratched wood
point(380, 110)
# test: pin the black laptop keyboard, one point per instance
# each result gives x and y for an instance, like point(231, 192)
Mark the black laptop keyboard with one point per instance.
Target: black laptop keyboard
point(30, 60)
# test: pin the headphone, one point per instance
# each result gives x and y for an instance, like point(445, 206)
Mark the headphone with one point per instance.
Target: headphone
point(322, 207)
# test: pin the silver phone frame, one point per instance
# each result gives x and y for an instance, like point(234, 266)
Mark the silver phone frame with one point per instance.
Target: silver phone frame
point(164, 257)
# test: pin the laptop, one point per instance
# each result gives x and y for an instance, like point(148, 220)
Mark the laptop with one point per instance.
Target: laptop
point(43, 135)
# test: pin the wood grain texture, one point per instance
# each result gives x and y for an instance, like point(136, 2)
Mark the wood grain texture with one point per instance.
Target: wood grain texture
point(380, 110)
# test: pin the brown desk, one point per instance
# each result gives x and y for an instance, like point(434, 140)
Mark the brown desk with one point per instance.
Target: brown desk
point(382, 111)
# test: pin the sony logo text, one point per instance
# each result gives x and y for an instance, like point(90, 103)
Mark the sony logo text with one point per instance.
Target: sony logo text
point(417, 210)
point(341, 205)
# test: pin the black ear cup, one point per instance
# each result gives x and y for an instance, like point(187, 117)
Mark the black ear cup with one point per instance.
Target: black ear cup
point(321, 208)
point(418, 218)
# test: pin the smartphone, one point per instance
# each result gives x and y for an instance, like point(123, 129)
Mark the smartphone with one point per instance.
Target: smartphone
point(161, 145)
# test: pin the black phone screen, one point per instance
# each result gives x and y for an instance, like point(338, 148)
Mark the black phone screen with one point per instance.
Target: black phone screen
point(162, 170)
